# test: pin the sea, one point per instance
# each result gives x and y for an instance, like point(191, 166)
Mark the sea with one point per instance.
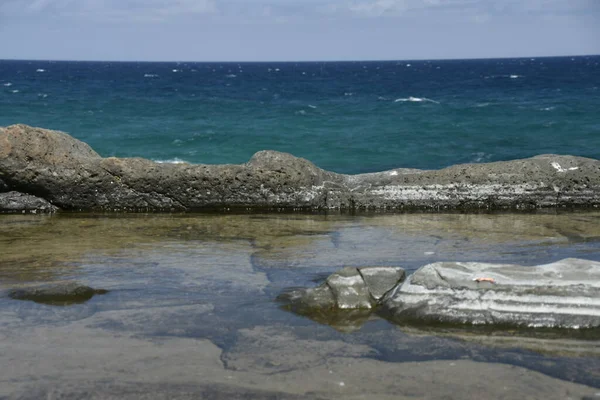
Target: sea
point(349, 117)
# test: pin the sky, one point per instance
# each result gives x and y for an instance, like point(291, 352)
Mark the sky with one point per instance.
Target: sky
point(296, 30)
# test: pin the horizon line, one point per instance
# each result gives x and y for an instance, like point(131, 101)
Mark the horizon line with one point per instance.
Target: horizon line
point(302, 61)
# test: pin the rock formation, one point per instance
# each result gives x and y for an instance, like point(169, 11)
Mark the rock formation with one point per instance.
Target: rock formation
point(564, 294)
point(69, 174)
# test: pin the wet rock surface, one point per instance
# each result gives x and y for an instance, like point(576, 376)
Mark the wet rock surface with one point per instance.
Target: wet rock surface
point(347, 289)
point(15, 202)
point(69, 174)
point(56, 294)
point(563, 294)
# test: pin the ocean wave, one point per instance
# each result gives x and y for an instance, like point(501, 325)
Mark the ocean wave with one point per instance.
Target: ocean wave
point(415, 100)
point(40, 70)
point(547, 108)
point(42, 95)
point(231, 76)
point(480, 157)
point(150, 76)
point(311, 106)
point(15, 91)
point(348, 94)
point(175, 70)
point(8, 84)
point(171, 161)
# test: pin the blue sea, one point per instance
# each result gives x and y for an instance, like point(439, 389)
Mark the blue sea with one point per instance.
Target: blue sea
point(347, 117)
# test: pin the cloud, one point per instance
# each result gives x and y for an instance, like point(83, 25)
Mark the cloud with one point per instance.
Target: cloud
point(480, 11)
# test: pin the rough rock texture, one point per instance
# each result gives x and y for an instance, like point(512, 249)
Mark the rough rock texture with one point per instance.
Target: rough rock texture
point(564, 294)
point(61, 294)
point(348, 289)
point(69, 174)
point(12, 202)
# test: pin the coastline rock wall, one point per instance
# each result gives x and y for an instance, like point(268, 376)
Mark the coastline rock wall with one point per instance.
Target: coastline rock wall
point(69, 174)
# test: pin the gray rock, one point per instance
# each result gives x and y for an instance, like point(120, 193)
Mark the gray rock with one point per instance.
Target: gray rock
point(349, 289)
point(12, 202)
point(564, 294)
point(69, 174)
point(59, 294)
point(380, 280)
point(3, 187)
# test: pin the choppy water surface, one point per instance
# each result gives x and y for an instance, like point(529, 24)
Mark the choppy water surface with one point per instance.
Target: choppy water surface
point(191, 308)
point(348, 117)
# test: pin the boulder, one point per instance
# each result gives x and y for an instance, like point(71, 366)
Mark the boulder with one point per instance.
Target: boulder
point(13, 202)
point(69, 174)
point(57, 294)
point(564, 294)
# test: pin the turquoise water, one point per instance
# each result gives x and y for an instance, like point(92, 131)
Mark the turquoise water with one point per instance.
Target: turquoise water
point(348, 117)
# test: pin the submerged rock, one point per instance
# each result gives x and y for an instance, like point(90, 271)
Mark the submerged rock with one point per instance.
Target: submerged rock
point(12, 202)
point(61, 294)
point(69, 174)
point(564, 294)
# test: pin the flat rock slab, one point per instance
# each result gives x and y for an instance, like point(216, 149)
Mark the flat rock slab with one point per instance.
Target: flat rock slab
point(71, 175)
point(564, 294)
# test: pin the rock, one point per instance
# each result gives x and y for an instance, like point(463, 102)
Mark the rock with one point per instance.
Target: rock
point(12, 202)
point(69, 174)
point(348, 289)
point(61, 294)
point(564, 294)
point(3, 187)
point(380, 280)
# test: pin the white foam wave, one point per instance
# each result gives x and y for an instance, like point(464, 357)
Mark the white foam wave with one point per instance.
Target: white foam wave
point(415, 100)
point(175, 70)
point(15, 91)
point(348, 94)
point(231, 76)
point(8, 84)
point(480, 157)
point(42, 95)
point(515, 76)
point(408, 65)
point(311, 106)
point(171, 161)
point(150, 76)
point(40, 70)
point(547, 108)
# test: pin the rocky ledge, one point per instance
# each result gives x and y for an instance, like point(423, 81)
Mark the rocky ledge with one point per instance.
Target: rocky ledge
point(564, 294)
point(70, 175)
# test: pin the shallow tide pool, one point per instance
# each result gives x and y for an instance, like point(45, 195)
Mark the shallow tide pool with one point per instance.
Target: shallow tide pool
point(191, 309)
